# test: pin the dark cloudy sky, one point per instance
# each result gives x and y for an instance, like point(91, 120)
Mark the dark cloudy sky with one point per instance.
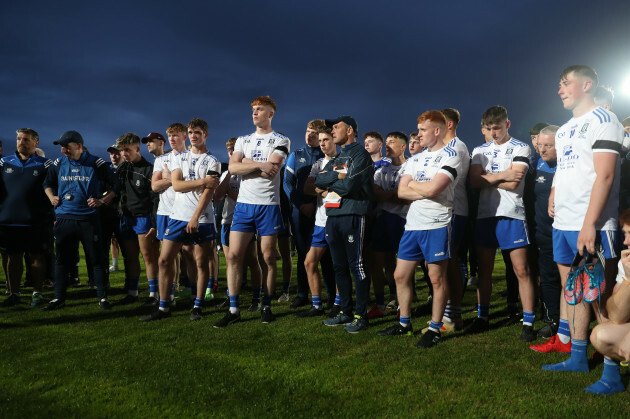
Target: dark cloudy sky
point(106, 68)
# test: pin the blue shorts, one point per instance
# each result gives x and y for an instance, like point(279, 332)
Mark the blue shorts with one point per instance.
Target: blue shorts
point(319, 237)
point(248, 218)
point(131, 226)
point(225, 235)
point(176, 232)
point(565, 245)
point(387, 231)
point(432, 245)
point(161, 224)
point(504, 232)
point(458, 229)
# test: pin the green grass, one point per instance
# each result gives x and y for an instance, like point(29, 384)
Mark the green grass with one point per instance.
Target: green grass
point(83, 362)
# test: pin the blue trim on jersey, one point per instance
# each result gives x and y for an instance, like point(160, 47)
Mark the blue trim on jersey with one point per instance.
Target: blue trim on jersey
point(602, 114)
point(450, 151)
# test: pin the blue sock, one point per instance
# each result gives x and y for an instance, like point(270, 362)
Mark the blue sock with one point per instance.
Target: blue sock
point(528, 318)
point(435, 326)
point(165, 305)
point(564, 333)
point(228, 292)
point(405, 320)
point(317, 302)
point(483, 311)
point(448, 310)
point(210, 282)
point(337, 299)
point(198, 302)
point(266, 301)
point(234, 304)
point(256, 293)
point(153, 287)
point(578, 361)
point(380, 299)
point(610, 382)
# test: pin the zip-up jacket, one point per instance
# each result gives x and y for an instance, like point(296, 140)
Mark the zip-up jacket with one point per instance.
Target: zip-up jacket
point(357, 188)
point(75, 181)
point(22, 198)
point(136, 197)
point(296, 171)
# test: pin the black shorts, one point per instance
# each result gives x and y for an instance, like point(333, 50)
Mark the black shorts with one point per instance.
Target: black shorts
point(30, 239)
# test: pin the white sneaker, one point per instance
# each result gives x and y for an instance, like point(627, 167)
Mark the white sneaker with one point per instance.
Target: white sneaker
point(284, 298)
point(113, 268)
point(472, 281)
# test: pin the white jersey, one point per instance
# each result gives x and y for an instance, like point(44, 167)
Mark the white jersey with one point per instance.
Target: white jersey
point(193, 167)
point(229, 204)
point(432, 213)
point(494, 158)
point(320, 214)
point(256, 189)
point(167, 196)
point(388, 178)
point(597, 131)
point(460, 202)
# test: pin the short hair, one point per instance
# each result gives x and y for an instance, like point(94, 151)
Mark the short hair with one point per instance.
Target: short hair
point(535, 130)
point(316, 124)
point(128, 139)
point(581, 70)
point(626, 122)
point(604, 95)
point(549, 130)
point(198, 123)
point(432, 116)
point(325, 130)
point(398, 135)
point(494, 115)
point(231, 142)
point(34, 135)
point(451, 114)
point(374, 134)
point(624, 218)
point(413, 134)
point(176, 127)
point(264, 100)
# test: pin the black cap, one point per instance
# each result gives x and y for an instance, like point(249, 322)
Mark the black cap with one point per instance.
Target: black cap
point(152, 136)
point(535, 130)
point(348, 120)
point(69, 137)
point(113, 149)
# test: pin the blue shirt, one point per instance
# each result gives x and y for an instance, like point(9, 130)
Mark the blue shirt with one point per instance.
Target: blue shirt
point(297, 169)
point(22, 198)
point(542, 189)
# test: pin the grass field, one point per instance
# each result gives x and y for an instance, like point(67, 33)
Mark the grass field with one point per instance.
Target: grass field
point(84, 362)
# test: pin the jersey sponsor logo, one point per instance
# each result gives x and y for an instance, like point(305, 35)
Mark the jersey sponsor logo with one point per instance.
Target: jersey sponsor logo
point(567, 149)
point(257, 155)
point(76, 178)
point(74, 170)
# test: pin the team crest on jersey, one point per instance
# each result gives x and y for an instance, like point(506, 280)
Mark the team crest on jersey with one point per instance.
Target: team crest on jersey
point(350, 238)
point(35, 172)
point(167, 231)
point(302, 160)
point(567, 149)
point(9, 170)
point(138, 182)
point(270, 142)
point(509, 151)
point(584, 128)
point(437, 159)
point(540, 179)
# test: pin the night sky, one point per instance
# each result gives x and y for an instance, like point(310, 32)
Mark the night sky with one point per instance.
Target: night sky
point(108, 68)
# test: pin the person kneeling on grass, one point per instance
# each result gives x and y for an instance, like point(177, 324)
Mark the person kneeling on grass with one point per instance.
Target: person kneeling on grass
point(612, 339)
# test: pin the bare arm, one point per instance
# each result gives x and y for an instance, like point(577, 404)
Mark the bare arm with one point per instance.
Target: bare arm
point(181, 185)
point(159, 182)
point(604, 164)
point(618, 306)
point(222, 189)
point(508, 179)
point(239, 165)
point(431, 188)
point(551, 208)
point(405, 191)
point(54, 199)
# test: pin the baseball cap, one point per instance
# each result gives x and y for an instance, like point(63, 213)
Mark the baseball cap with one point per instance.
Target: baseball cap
point(113, 149)
point(535, 130)
point(343, 118)
point(152, 136)
point(69, 137)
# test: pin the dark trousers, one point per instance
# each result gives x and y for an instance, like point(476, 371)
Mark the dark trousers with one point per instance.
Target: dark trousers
point(347, 235)
point(550, 281)
point(302, 228)
point(68, 233)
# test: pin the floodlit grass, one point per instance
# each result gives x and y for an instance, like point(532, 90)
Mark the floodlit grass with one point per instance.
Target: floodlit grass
point(84, 362)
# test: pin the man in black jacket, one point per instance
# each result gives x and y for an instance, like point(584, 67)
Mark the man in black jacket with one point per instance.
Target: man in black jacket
point(347, 184)
point(138, 209)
